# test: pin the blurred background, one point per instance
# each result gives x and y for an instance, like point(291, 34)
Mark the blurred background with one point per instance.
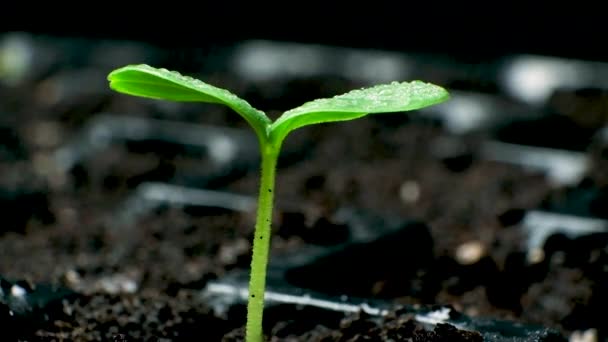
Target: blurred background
point(523, 143)
point(524, 74)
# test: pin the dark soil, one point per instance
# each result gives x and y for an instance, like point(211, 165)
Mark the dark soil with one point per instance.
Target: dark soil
point(90, 274)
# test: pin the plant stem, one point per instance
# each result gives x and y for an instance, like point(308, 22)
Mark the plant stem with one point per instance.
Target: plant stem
point(261, 243)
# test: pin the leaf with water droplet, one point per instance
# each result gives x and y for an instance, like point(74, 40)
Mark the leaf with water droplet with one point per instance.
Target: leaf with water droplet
point(146, 81)
point(384, 98)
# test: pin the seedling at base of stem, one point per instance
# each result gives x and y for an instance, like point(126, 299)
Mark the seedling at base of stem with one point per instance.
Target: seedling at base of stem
point(146, 81)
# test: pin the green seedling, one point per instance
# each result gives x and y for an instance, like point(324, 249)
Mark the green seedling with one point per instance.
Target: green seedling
point(149, 82)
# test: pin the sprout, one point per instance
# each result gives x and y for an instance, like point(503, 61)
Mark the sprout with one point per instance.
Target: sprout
point(146, 81)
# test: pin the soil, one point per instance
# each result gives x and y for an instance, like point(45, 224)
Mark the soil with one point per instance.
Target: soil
point(73, 269)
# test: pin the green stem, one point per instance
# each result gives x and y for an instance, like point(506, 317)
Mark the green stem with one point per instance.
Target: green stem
point(261, 243)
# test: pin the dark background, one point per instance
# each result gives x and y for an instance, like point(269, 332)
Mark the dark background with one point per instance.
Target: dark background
point(469, 30)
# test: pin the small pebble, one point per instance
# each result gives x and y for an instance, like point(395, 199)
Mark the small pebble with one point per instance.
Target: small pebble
point(117, 284)
point(535, 256)
point(17, 291)
point(72, 278)
point(409, 192)
point(589, 335)
point(230, 252)
point(470, 252)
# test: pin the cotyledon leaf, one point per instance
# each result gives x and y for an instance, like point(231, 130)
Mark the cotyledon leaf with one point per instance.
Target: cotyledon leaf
point(384, 98)
point(146, 81)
